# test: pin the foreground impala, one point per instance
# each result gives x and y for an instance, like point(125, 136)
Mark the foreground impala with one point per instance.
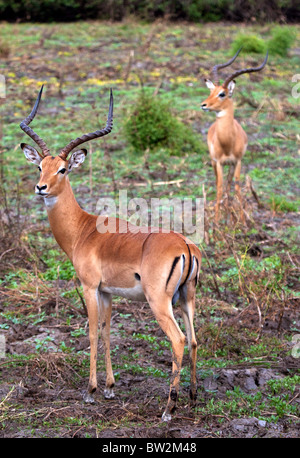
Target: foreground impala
point(226, 139)
point(156, 267)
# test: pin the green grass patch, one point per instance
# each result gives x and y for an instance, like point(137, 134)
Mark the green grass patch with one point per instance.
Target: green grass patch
point(269, 408)
point(281, 204)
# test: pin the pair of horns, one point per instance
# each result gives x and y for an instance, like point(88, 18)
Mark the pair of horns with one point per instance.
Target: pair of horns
point(78, 141)
point(216, 68)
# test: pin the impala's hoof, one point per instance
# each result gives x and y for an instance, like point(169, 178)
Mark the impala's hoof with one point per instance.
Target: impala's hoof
point(109, 393)
point(193, 397)
point(88, 398)
point(166, 417)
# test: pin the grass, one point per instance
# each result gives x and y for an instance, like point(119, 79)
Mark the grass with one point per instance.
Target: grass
point(281, 204)
point(237, 404)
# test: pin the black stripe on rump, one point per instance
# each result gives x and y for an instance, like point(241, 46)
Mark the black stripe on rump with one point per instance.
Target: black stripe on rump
point(178, 287)
point(190, 265)
point(172, 269)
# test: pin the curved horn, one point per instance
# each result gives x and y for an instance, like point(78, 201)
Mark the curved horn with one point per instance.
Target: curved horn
point(245, 70)
point(25, 126)
point(217, 67)
point(86, 137)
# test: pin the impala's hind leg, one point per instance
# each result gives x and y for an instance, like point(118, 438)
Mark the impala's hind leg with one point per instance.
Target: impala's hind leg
point(229, 179)
point(228, 186)
point(164, 314)
point(161, 284)
point(187, 303)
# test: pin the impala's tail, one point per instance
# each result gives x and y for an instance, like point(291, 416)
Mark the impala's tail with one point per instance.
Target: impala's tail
point(181, 261)
point(191, 273)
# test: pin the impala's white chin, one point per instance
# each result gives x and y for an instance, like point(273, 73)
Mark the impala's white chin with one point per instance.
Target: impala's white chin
point(40, 193)
point(50, 201)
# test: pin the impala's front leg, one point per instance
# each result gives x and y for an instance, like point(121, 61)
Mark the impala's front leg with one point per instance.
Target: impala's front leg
point(90, 295)
point(105, 316)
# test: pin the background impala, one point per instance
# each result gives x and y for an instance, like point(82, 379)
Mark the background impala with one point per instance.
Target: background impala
point(227, 141)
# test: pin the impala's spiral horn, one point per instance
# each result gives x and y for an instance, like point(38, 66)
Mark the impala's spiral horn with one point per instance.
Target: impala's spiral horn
point(30, 132)
point(86, 137)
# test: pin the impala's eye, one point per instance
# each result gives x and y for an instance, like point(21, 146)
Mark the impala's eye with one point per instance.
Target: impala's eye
point(39, 168)
point(222, 95)
point(62, 171)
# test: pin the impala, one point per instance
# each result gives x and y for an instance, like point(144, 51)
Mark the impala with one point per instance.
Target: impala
point(156, 267)
point(227, 140)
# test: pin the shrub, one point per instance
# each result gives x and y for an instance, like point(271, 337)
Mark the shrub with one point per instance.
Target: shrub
point(249, 43)
point(282, 39)
point(152, 125)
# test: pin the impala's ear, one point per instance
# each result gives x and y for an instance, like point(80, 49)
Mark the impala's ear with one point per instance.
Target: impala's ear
point(31, 154)
point(231, 87)
point(209, 84)
point(77, 158)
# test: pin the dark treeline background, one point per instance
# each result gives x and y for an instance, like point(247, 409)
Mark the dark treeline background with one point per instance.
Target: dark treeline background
point(150, 10)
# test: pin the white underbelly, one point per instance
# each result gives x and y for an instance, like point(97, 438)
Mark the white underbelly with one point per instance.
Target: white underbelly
point(135, 294)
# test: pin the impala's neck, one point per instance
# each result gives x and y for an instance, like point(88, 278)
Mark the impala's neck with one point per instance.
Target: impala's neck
point(65, 217)
point(225, 127)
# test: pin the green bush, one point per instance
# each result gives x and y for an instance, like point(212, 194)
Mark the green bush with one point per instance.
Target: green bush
point(152, 125)
point(281, 41)
point(249, 43)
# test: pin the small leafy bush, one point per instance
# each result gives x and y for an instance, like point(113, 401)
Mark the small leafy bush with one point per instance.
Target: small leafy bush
point(281, 41)
point(250, 44)
point(152, 125)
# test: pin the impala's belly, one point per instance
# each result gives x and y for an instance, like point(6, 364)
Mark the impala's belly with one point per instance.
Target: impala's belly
point(135, 293)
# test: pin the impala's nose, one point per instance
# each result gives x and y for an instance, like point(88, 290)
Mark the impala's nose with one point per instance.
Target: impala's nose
point(40, 189)
point(203, 106)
